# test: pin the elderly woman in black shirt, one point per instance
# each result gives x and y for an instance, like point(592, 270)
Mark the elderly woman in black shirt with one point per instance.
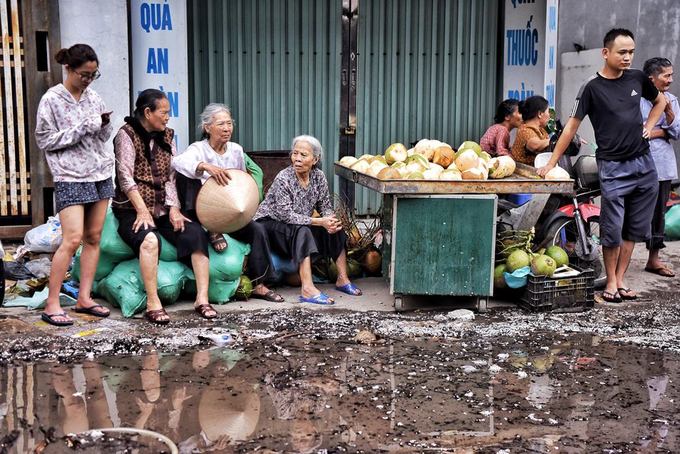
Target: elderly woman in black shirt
point(287, 211)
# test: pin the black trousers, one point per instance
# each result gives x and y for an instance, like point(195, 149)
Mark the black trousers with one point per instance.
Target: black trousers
point(260, 267)
point(659, 217)
point(301, 241)
point(193, 239)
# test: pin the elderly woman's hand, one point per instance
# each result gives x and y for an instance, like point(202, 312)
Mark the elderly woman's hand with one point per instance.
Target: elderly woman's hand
point(221, 175)
point(177, 219)
point(143, 220)
point(331, 224)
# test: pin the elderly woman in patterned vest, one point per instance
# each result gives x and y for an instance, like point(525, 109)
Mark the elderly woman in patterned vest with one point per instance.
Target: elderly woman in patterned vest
point(146, 202)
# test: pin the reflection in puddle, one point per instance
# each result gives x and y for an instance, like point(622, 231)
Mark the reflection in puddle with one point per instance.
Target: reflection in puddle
point(303, 396)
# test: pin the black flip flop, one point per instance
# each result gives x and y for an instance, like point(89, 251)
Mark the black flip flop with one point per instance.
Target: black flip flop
point(91, 311)
point(47, 318)
point(626, 297)
point(271, 296)
point(611, 297)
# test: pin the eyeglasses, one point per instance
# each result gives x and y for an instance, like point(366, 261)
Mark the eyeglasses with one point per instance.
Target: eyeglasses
point(87, 76)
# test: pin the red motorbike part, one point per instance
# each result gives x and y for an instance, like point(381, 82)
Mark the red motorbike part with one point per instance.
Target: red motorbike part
point(588, 210)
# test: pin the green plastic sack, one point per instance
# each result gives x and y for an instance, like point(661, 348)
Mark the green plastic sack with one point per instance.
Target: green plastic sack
point(225, 271)
point(672, 227)
point(104, 266)
point(124, 288)
point(257, 174)
point(111, 243)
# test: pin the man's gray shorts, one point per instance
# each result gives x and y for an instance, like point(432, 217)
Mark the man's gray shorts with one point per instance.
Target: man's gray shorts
point(629, 191)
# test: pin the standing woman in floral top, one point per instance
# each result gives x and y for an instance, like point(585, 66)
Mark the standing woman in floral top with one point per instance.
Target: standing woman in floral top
point(72, 126)
point(286, 213)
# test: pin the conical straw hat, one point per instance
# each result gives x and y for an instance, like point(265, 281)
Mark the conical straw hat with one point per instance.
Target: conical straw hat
point(228, 208)
point(234, 411)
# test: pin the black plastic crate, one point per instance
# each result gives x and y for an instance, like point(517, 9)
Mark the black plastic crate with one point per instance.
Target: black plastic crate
point(566, 294)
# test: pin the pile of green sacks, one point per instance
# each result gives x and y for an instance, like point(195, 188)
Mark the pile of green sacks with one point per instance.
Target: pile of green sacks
point(118, 278)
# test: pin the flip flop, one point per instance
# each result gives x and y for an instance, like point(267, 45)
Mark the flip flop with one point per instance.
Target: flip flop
point(154, 317)
point(611, 297)
point(203, 309)
point(661, 271)
point(626, 297)
point(271, 296)
point(92, 311)
point(349, 289)
point(321, 298)
point(48, 319)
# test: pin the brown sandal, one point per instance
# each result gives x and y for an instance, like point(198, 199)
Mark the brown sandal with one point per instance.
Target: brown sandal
point(155, 317)
point(203, 309)
point(271, 296)
point(218, 242)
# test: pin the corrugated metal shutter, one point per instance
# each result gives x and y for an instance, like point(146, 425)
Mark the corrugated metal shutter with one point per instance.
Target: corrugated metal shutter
point(427, 69)
point(275, 63)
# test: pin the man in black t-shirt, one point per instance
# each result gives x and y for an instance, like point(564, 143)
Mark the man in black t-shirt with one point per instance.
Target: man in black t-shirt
point(611, 99)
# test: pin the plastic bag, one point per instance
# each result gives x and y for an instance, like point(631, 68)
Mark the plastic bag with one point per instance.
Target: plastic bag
point(672, 227)
point(111, 244)
point(45, 237)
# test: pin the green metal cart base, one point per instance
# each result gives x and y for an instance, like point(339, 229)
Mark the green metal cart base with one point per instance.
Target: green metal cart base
point(439, 245)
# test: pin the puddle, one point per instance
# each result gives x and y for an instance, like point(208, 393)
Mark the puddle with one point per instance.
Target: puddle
point(287, 393)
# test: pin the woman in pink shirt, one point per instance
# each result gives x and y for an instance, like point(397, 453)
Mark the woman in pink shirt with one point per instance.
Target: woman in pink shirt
point(496, 139)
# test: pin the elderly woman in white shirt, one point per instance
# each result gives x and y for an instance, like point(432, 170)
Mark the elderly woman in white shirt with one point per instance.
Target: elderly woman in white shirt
point(213, 157)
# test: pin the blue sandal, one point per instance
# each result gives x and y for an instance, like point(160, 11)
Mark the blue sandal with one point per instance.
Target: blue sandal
point(321, 298)
point(350, 289)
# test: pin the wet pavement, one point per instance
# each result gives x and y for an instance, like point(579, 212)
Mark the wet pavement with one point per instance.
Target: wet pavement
point(358, 378)
point(338, 381)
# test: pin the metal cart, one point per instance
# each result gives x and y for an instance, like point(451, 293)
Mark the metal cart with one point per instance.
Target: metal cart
point(439, 236)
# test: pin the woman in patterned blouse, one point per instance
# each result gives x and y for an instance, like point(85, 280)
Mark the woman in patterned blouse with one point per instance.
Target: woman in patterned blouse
point(72, 127)
point(287, 210)
point(532, 138)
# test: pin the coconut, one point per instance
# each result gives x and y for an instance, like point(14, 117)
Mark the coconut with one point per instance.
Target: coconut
point(469, 144)
point(395, 153)
point(443, 155)
point(431, 174)
point(542, 265)
point(450, 175)
point(375, 168)
point(347, 161)
point(557, 173)
point(474, 173)
point(426, 148)
point(498, 277)
point(468, 159)
point(372, 261)
point(362, 165)
point(453, 167)
point(401, 167)
point(389, 173)
point(353, 268)
point(415, 176)
point(410, 152)
point(485, 156)
point(367, 157)
point(516, 260)
point(501, 167)
point(244, 289)
point(558, 255)
point(379, 158)
point(436, 167)
point(418, 158)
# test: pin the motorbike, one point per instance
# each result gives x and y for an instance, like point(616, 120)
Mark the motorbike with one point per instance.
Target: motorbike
point(572, 221)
